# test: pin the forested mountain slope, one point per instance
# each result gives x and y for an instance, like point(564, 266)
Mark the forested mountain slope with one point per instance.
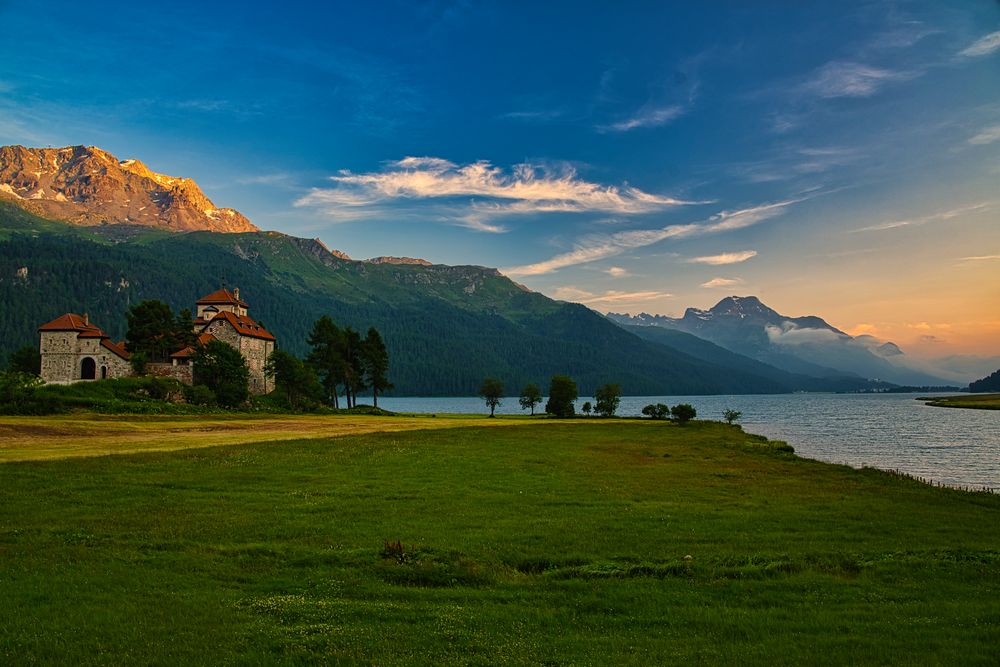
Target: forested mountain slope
point(446, 327)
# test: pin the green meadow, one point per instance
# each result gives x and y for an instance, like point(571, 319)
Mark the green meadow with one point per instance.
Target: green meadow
point(581, 542)
point(973, 401)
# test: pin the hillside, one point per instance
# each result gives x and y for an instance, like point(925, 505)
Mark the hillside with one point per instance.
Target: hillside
point(446, 327)
point(986, 384)
point(85, 185)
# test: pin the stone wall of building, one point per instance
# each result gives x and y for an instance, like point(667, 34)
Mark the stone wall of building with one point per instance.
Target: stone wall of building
point(59, 356)
point(180, 372)
point(256, 351)
point(63, 354)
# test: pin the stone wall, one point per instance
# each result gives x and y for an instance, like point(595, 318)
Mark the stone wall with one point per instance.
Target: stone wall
point(63, 353)
point(181, 372)
point(59, 356)
point(256, 351)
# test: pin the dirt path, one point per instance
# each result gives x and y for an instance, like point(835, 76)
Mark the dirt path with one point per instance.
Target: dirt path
point(37, 438)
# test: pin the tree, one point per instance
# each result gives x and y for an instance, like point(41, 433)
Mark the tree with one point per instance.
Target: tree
point(293, 380)
point(354, 373)
point(154, 331)
point(531, 396)
point(608, 398)
point(731, 415)
point(151, 326)
point(586, 408)
point(491, 391)
point(375, 361)
point(683, 413)
point(221, 368)
point(658, 411)
point(25, 359)
point(327, 357)
point(562, 393)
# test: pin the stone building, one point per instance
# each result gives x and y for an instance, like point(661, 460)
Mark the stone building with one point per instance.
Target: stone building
point(73, 349)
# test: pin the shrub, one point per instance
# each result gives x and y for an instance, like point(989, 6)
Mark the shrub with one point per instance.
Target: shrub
point(657, 411)
point(199, 394)
point(731, 415)
point(683, 413)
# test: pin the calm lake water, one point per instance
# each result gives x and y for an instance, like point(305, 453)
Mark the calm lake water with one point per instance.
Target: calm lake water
point(889, 431)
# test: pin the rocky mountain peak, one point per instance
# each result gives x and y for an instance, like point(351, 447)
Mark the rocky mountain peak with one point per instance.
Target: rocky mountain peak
point(86, 185)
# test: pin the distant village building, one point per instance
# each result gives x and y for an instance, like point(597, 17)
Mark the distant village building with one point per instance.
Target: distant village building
point(74, 349)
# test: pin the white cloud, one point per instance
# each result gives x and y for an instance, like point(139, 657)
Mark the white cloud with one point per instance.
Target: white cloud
point(473, 193)
point(722, 282)
point(943, 216)
point(986, 136)
point(981, 258)
point(599, 246)
point(790, 334)
point(725, 258)
point(610, 297)
point(847, 79)
point(616, 272)
point(983, 46)
point(646, 117)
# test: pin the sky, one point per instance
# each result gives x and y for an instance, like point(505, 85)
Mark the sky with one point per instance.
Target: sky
point(837, 159)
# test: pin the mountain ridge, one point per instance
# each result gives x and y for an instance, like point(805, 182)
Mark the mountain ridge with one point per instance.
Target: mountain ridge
point(85, 185)
point(806, 345)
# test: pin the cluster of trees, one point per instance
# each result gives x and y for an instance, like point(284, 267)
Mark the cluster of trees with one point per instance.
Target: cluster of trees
point(681, 413)
point(344, 361)
point(563, 393)
point(340, 363)
point(155, 332)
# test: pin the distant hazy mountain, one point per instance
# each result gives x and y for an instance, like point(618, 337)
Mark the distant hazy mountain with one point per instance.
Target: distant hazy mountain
point(801, 345)
point(85, 185)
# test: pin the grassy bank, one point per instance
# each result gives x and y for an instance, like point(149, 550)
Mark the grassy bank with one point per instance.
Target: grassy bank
point(621, 542)
point(973, 401)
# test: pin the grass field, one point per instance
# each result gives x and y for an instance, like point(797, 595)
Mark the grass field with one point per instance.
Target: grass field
point(974, 401)
point(590, 542)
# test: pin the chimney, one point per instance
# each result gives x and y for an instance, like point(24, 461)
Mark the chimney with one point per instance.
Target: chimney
point(86, 320)
point(236, 292)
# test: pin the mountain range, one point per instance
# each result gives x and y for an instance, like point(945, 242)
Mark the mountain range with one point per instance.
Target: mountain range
point(81, 231)
point(807, 345)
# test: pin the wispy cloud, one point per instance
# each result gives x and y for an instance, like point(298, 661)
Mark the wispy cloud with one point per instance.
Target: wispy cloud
point(942, 216)
point(610, 297)
point(616, 272)
point(479, 192)
point(983, 46)
point(981, 258)
point(848, 79)
point(722, 282)
point(646, 117)
point(600, 246)
point(724, 258)
point(986, 136)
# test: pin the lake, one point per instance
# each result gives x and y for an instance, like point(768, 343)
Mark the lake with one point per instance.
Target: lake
point(890, 431)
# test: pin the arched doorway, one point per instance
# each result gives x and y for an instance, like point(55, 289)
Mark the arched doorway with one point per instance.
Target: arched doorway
point(88, 369)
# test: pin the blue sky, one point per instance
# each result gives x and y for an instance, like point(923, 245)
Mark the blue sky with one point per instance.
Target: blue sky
point(841, 159)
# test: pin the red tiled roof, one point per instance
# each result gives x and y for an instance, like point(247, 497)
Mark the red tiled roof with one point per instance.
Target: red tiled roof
point(203, 339)
point(116, 348)
point(244, 325)
point(73, 322)
point(220, 296)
